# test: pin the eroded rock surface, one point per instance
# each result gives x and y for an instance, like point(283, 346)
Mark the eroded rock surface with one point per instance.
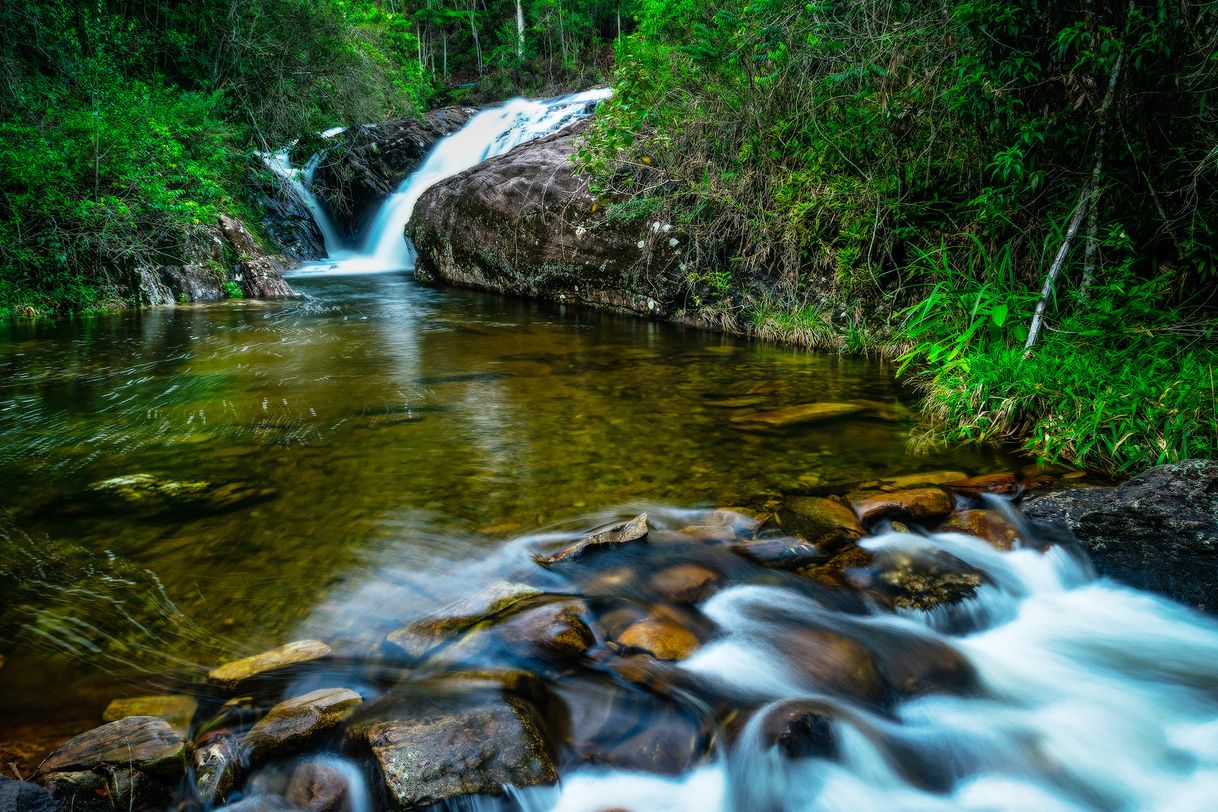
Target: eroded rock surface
point(525, 223)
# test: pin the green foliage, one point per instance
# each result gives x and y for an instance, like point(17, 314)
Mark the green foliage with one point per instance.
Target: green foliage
point(232, 290)
point(126, 126)
point(931, 155)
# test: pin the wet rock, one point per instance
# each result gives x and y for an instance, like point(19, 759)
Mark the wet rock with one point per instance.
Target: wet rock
point(141, 743)
point(295, 723)
point(556, 628)
point(688, 583)
point(268, 663)
point(983, 524)
point(781, 553)
point(417, 639)
point(146, 493)
point(917, 665)
point(827, 523)
point(802, 414)
point(318, 786)
point(917, 504)
point(1002, 482)
point(1158, 531)
point(260, 274)
point(218, 766)
point(706, 532)
point(800, 728)
point(833, 662)
point(21, 796)
point(906, 481)
point(261, 803)
point(178, 711)
point(364, 165)
point(476, 751)
point(661, 637)
point(922, 583)
point(633, 530)
point(526, 223)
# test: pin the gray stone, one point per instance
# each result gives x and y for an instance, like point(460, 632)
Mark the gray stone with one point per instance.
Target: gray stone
point(297, 722)
point(1158, 531)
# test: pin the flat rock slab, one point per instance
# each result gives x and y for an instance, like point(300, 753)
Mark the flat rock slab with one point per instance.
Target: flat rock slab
point(296, 722)
point(802, 414)
point(632, 530)
point(478, 751)
point(420, 637)
point(782, 553)
point(178, 711)
point(268, 662)
point(137, 742)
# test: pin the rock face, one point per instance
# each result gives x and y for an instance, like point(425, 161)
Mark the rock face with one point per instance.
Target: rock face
point(226, 254)
point(430, 759)
point(524, 223)
point(1158, 531)
point(364, 165)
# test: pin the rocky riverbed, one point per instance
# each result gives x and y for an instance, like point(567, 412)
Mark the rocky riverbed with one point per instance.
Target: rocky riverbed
point(588, 656)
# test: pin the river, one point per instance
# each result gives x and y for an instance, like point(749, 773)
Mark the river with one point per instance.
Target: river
point(188, 485)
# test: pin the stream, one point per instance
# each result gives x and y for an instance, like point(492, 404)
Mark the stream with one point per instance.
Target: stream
point(182, 487)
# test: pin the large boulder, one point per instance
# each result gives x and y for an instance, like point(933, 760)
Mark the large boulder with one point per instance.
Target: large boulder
point(526, 223)
point(363, 165)
point(1158, 531)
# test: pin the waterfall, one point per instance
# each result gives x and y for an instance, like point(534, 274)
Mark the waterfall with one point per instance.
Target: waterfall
point(489, 133)
point(300, 181)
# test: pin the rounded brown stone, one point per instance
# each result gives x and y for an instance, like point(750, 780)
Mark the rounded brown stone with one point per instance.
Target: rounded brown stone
point(918, 504)
point(662, 638)
point(983, 524)
point(686, 582)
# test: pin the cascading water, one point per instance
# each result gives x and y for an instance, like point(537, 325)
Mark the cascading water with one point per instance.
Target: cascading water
point(300, 181)
point(491, 132)
point(1087, 696)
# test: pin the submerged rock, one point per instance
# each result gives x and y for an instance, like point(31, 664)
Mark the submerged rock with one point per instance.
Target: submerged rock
point(1158, 531)
point(433, 758)
point(318, 786)
point(802, 414)
point(800, 728)
point(420, 637)
point(268, 663)
point(557, 628)
point(145, 493)
point(632, 530)
point(781, 553)
point(526, 223)
point(661, 637)
point(177, 711)
point(295, 723)
point(689, 583)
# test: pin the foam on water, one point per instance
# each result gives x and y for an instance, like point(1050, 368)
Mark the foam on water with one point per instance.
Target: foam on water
point(1091, 696)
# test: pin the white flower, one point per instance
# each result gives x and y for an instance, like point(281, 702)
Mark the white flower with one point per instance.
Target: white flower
point(641, 243)
point(667, 227)
point(672, 243)
point(655, 226)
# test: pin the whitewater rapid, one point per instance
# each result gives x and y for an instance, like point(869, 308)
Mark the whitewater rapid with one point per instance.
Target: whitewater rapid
point(1090, 696)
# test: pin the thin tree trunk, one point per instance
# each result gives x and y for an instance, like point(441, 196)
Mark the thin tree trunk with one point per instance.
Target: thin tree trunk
point(1086, 201)
point(477, 45)
point(519, 29)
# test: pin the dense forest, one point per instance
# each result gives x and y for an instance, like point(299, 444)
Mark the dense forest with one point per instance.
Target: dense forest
point(1015, 199)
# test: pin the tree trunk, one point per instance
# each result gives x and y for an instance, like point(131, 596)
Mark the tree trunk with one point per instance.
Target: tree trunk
point(519, 29)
